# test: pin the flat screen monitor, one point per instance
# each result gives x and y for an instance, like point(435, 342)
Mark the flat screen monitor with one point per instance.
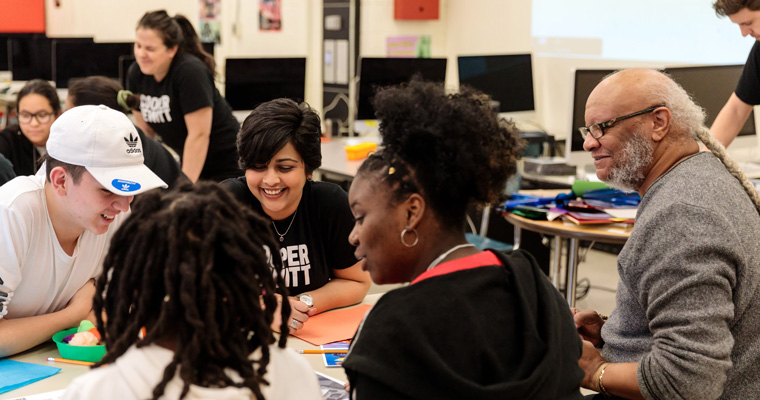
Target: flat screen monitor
point(4, 59)
point(79, 58)
point(124, 63)
point(251, 81)
point(375, 73)
point(508, 79)
point(585, 80)
point(711, 86)
point(30, 57)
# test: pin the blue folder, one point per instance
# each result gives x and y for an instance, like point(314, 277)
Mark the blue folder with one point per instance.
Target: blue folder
point(15, 374)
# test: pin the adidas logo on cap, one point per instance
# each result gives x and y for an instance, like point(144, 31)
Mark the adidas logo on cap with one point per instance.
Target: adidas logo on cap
point(132, 143)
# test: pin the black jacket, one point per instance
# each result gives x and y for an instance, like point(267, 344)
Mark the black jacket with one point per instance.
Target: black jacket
point(491, 332)
point(19, 151)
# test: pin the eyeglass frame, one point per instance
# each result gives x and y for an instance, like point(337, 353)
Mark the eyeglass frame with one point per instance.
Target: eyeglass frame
point(585, 130)
point(44, 114)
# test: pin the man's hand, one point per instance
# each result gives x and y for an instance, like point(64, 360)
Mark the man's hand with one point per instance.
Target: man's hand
point(80, 304)
point(589, 325)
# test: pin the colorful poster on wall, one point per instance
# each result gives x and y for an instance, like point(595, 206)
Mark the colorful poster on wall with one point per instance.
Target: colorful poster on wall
point(210, 21)
point(270, 18)
point(408, 46)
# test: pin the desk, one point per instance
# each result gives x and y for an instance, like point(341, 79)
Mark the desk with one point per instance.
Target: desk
point(571, 233)
point(39, 355)
point(334, 161)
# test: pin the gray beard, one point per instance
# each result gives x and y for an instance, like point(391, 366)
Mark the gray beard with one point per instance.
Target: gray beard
point(627, 173)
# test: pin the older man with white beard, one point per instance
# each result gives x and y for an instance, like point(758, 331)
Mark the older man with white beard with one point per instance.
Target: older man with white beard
point(688, 300)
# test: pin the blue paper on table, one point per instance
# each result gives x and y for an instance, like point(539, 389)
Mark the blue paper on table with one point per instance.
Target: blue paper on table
point(15, 374)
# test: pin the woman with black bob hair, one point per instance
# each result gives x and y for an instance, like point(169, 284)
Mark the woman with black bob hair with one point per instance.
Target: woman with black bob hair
point(472, 324)
point(279, 146)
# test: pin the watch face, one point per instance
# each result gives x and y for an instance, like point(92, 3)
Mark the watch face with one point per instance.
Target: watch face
point(306, 299)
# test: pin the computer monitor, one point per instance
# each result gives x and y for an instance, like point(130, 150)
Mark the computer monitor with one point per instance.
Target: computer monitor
point(30, 57)
point(584, 82)
point(79, 58)
point(124, 63)
point(4, 59)
point(711, 86)
point(507, 78)
point(378, 72)
point(251, 81)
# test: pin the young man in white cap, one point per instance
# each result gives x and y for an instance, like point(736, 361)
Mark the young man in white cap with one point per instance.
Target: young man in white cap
point(55, 227)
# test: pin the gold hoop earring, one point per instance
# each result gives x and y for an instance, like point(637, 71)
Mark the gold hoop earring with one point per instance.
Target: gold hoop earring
point(416, 237)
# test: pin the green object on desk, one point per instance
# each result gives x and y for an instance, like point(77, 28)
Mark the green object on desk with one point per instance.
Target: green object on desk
point(16, 374)
point(530, 212)
point(581, 187)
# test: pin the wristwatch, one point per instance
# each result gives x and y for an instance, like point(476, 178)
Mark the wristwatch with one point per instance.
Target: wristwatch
point(307, 299)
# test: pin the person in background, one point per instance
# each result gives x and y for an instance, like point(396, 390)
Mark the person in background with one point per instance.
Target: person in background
point(23, 145)
point(733, 115)
point(472, 324)
point(189, 267)
point(96, 90)
point(55, 227)
point(280, 148)
point(687, 304)
point(178, 98)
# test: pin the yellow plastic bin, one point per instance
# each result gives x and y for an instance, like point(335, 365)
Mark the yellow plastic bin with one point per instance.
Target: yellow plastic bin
point(359, 151)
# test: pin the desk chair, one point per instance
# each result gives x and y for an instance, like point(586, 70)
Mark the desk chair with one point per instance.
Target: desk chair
point(480, 239)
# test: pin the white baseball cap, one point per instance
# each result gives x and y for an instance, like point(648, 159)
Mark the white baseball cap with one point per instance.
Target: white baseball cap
point(106, 143)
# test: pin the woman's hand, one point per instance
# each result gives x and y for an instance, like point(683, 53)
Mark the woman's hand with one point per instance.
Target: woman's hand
point(299, 314)
point(590, 362)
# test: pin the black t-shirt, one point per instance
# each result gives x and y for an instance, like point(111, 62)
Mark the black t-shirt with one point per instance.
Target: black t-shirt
point(187, 87)
point(317, 242)
point(748, 88)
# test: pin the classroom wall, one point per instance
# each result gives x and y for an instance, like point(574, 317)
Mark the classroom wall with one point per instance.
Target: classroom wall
point(111, 21)
point(464, 27)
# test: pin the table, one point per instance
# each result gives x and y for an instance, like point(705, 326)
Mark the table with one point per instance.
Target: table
point(39, 354)
point(567, 233)
point(334, 161)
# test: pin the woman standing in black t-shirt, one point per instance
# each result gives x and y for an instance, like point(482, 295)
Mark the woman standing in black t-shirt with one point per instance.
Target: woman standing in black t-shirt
point(280, 148)
point(178, 98)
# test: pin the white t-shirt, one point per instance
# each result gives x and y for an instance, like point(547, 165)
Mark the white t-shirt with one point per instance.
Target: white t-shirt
point(36, 276)
point(139, 370)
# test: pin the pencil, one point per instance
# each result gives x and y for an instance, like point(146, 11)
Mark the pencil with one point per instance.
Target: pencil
point(322, 351)
point(63, 360)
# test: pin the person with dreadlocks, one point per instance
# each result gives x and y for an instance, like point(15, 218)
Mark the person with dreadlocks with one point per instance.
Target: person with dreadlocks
point(472, 324)
point(279, 146)
point(687, 306)
point(190, 268)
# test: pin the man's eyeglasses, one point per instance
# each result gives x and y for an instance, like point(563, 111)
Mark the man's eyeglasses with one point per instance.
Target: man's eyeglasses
point(42, 117)
point(597, 130)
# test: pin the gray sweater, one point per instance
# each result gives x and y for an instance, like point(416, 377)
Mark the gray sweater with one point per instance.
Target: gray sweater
point(688, 300)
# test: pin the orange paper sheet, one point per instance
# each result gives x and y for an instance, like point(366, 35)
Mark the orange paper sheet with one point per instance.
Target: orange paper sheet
point(332, 326)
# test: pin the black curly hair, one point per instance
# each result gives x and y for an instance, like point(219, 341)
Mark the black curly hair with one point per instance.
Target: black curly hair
point(190, 265)
point(451, 148)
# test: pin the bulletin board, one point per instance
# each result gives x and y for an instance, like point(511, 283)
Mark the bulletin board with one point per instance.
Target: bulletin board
point(22, 16)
